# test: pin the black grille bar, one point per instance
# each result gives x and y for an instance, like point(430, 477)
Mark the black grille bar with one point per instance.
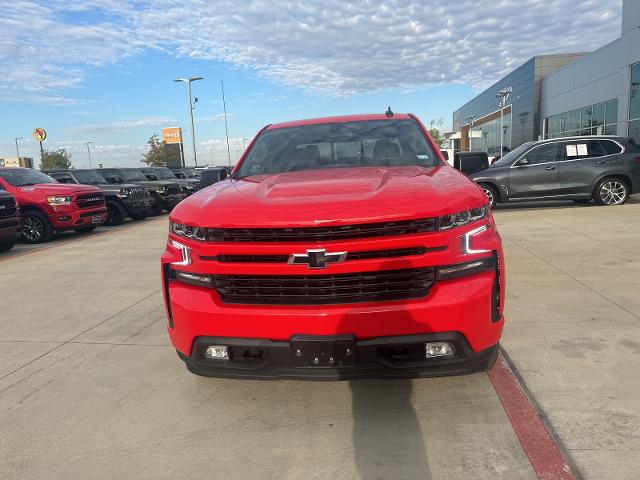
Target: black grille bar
point(365, 255)
point(89, 200)
point(9, 207)
point(319, 234)
point(322, 289)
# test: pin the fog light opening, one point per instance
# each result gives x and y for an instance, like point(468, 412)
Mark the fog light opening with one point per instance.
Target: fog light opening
point(438, 349)
point(217, 352)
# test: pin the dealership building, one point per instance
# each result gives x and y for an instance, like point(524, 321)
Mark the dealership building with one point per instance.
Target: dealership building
point(549, 96)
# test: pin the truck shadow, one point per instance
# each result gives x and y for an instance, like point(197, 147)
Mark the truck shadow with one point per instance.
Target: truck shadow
point(387, 438)
point(388, 441)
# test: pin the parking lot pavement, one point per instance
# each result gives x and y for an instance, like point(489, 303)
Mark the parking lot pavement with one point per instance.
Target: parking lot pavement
point(90, 387)
point(573, 276)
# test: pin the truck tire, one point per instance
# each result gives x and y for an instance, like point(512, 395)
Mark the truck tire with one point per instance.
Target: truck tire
point(157, 207)
point(115, 214)
point(6, 246)
point(36, 227)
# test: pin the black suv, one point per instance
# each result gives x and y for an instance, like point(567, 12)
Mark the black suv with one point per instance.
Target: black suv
point(603, 169)
point(122, 199)
point(9, 223)
point(186, 173)
point(165, 194)
point(187, 185)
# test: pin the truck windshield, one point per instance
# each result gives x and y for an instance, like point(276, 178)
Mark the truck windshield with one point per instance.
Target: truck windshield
point(89, 177)
point(164, 173)
point(191, 172)
point(375, 143)
point(21, 177)
point(134, 175)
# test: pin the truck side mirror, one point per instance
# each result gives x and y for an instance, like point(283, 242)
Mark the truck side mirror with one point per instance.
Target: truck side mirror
point(523, 162)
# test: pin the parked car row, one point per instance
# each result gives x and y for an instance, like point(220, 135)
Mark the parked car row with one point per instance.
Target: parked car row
point(36, 205)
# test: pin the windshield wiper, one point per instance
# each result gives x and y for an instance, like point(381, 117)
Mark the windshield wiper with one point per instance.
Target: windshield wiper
point(26, 184)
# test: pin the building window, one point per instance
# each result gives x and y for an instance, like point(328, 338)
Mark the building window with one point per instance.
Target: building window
point(485, 137)
point(599, 119)
point(634, 103)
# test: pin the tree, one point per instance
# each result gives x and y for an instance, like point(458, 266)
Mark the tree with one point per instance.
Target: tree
point(434, 131)
point(55, 160)
point(156, 155)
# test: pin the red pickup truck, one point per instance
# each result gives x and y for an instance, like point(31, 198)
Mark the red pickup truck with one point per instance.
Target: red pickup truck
point(48, 207)
point(339, 248)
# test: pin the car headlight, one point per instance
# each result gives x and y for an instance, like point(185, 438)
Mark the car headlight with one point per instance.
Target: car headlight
point(463, 218)
point(187, 231)
point(123, 192)
point(162, 189)
point(55, 200)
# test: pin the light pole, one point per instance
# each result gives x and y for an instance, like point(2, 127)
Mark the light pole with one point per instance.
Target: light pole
point(470, 120)
point(18, 149)
point(226, 128)
point(193, 135)
point(502, 96)
point(89, 152)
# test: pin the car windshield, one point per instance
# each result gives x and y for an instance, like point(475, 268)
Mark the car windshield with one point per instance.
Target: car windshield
point(376, 143)
point(163, 173)
point(513, 154)
point(134, 175)
point(89, 177)
point(191, 173)
point(21, 177)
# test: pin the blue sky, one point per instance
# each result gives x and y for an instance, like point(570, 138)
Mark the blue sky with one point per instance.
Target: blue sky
point(103, 71)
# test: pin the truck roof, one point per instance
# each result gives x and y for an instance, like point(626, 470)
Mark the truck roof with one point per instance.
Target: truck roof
point(340, 119)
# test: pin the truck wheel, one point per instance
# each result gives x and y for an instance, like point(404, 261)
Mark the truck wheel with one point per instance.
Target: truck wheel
point(88, 229)
point(139, 216)
point(6, 246)
point(36, 227)
point(115, 214)
point(157, 207)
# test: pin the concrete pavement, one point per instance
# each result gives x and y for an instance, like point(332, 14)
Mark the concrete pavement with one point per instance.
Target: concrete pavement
point(90, 387)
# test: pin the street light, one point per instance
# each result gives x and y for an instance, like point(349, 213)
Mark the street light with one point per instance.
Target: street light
point(18, 149)
point(89, 153)
point(502, 96)
point(193, 135)
point(470, 120)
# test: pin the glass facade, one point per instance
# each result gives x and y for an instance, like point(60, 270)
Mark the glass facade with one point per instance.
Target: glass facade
point(599, 119)
point(523, 101)
point(634, 103)
point(486, 137)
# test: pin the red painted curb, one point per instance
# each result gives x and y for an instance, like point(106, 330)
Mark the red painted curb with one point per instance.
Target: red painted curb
point(542, 451)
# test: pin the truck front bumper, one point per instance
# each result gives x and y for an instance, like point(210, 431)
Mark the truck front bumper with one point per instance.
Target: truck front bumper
point(381, 357)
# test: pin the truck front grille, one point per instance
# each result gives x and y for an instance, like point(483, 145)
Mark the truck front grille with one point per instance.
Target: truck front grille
point(322, 234)
point(7, 207)
point(136, 193)
point(325, 289)
point(173, 189)
point(90, 200)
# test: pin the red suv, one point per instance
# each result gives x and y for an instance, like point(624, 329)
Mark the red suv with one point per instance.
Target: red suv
point(339, 248)
point(48, 207)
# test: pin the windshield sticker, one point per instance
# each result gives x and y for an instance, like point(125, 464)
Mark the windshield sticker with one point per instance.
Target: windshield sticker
point(422, 157)
point(572, 151)
point(582, 150)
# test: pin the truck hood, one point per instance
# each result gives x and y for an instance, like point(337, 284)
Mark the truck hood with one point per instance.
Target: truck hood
point(57, 188)
point(331, 196)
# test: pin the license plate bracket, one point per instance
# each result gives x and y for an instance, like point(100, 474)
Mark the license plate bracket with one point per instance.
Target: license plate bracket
point(323, 352)
point(96, 219)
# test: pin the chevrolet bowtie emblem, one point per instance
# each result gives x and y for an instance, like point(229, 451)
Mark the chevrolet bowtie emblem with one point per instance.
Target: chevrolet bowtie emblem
point(317, 258)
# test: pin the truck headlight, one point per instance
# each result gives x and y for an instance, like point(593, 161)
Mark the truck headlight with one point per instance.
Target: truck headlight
point(123, 192)
point(55, 200)
point(162, 189)
point(463, 218)
point(187, 231)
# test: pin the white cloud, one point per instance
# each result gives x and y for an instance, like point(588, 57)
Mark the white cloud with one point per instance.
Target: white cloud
point(332, 47)
point(125, 125)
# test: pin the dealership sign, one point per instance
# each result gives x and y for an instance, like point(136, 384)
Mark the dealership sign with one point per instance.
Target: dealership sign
point(172, 135)
point(39, 134)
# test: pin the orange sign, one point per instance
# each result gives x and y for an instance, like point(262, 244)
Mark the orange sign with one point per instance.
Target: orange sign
point(172, 135)
point(39, 134)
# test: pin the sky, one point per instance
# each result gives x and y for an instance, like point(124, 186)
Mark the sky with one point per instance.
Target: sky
point(103, 71)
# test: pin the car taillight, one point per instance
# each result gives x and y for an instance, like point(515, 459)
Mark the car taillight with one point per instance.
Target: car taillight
point(637, 159)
